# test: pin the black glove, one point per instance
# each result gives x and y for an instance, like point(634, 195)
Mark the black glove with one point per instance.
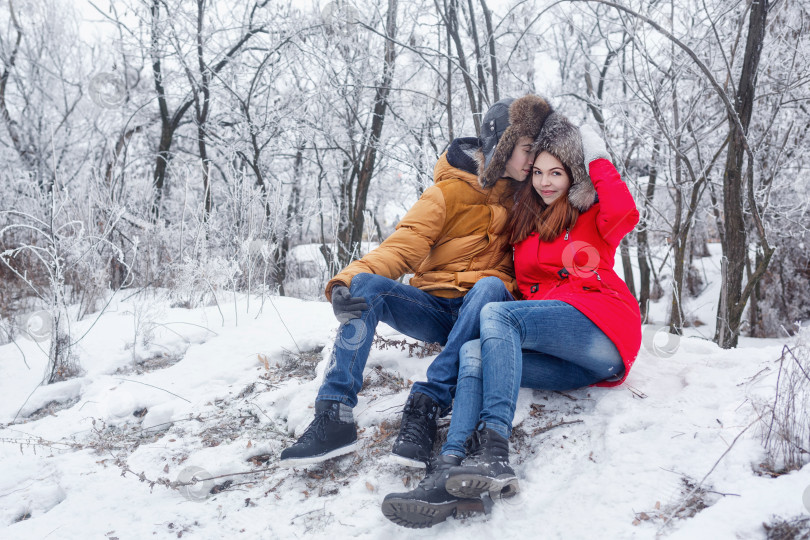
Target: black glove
point(346, 306)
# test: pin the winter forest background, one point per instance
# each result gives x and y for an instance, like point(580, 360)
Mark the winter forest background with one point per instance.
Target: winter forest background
point(171, 165)
point(192, 145)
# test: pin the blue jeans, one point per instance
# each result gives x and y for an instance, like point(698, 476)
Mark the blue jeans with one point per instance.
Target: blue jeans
point(415, 313)
point(543, 344)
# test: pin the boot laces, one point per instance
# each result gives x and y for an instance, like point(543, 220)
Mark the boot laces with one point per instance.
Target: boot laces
point(434, 473)
point(416, 428)
point(474, 443)
point(317, 429)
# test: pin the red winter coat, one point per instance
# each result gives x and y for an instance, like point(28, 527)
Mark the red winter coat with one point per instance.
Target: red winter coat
point(577, 266)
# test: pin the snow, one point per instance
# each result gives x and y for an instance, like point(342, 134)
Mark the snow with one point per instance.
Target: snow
point(307, 271)
point(172, 392)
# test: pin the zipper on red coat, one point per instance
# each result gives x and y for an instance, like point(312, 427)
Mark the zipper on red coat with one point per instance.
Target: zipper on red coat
point(598, 277)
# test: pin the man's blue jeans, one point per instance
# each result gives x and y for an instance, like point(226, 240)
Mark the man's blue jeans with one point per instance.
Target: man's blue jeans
point(543, 344)
point(415, 313)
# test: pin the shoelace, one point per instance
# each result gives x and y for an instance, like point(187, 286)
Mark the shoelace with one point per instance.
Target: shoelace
point(434, 472)
point(472, 445)
point(416, 429)
point(431, 470)
point(317, 429)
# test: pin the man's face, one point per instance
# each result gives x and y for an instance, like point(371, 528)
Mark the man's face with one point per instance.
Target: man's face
point(520, 164)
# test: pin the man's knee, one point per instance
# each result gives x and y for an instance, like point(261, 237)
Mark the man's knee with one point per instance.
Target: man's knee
point(489, 286)
point(366, 284)
point(470, 359)
point(488, 289)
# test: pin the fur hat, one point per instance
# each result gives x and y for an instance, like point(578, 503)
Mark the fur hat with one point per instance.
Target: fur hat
point(560, 138)
point(526, 117)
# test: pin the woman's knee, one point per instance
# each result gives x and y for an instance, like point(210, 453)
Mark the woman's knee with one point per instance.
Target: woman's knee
point(610, 369)
point(470, 359)
point(496, 314)
point(605, 359)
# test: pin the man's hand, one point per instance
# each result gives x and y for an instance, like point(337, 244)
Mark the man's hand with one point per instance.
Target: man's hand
point(346, 306)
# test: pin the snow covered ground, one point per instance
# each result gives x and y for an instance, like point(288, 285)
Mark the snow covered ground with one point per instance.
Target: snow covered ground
point(221, 390)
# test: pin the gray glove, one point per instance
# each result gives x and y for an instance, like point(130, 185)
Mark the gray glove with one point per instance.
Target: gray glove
point(346, 306)
point(593, 147)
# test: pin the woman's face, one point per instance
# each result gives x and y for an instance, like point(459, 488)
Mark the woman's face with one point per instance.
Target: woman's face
point(549, 178)
point(520, 164)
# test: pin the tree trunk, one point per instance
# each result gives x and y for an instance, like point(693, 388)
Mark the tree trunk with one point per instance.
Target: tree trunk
point(642, 238)
point(352, 234)
point(345, 249)
point(282, 239)
point(16, 137)
point(450, 17)
point(170, 122)
point(735, 246)
point(120, 146)
point(677, 236)
point(449, 104)
point(483, 95)
point(493, 60)
point(754, 314)
point(627, 266)
point(202, 110)
point(676, 307)
point(166, 131)
point(206, 171)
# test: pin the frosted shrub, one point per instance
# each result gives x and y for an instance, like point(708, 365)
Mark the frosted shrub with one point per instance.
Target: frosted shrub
point(201, 281)
point(786, 420)
point(58, 256)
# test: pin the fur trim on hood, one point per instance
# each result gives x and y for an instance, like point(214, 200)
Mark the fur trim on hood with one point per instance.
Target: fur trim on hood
point(526, 117)
point(560, 138)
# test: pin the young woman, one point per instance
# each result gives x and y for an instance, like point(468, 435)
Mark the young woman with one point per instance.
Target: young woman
point(578, 324)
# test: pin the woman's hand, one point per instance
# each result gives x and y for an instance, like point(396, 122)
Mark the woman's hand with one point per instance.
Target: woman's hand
point(593, 147)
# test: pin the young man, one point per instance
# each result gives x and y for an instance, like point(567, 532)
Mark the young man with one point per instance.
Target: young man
point(455, 241)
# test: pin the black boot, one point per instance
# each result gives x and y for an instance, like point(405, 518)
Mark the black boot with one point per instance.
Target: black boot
point(429, 503)
point(414, 444)
point(332, 433)
point(485, 469)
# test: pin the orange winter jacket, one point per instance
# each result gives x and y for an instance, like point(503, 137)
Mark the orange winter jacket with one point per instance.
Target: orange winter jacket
point(454, 235)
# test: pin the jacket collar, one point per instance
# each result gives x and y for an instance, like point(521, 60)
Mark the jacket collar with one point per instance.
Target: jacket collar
point(461, 154)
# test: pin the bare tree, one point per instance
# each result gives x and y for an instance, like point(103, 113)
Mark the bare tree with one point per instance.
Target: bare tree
point(738, 187)
point(170, 121)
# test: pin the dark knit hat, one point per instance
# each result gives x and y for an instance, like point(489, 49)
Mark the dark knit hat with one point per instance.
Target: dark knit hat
point(496, 120)
point(560, 138)
point(500, 133)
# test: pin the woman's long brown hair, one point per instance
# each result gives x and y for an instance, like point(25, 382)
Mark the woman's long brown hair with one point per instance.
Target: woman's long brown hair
point(530, 214)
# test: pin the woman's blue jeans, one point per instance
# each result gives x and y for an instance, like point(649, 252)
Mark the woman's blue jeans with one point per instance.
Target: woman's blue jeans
point(543, 344)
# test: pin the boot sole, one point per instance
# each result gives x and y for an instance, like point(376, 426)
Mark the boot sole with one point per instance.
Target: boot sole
point(471, 486)
point(415, 514)
point(312, 460)
point(407, 462)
